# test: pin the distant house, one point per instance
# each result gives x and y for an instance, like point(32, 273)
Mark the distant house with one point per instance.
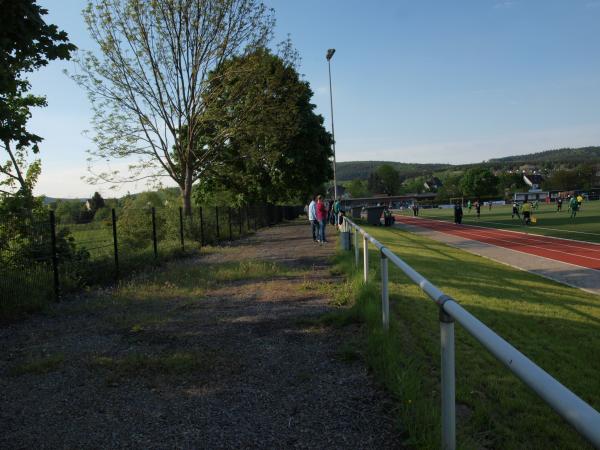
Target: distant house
point(88, 205)
point(433, 184)
point(534, 181)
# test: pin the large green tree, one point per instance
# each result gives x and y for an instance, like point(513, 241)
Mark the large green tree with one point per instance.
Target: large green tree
point(385, 180)
point(148, 85)
point(270, 144)
point(27, 43)
point(479, 182)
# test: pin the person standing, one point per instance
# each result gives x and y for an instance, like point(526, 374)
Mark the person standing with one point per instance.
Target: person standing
point(458, 213)
point(322, 218)
point(526, 210)
point(515, 210)
point(337, 206)
point(469, 205)
point(574, 206)
point(478, 208)
point(559, 204)
point(312, 217)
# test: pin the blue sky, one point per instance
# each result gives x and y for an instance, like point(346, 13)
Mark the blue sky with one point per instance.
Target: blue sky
point(413, 81)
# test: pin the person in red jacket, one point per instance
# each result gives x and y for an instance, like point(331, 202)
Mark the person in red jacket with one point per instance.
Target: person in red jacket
point(322, 218)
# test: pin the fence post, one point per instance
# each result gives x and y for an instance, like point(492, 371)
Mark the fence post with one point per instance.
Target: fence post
point(115, 243)
point(241, 220)
point(385, 297)
point(356, 249)
point(201, 228)
point(54, 256)
point(154, 232)
point(365, 259)
point(181, 228)
point(448, 380)
point(229, 218)
point(217, 220)
point(247, 220)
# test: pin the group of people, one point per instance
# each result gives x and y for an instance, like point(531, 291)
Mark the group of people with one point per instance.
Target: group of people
point(320, 213)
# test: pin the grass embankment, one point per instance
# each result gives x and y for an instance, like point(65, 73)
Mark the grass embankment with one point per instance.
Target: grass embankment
point(584, 227)
point(558, 327)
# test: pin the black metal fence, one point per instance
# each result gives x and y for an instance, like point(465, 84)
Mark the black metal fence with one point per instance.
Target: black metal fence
point(42, 259)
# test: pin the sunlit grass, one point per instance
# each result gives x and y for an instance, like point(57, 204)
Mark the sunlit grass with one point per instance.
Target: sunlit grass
point(584, 227)
point(558, 327)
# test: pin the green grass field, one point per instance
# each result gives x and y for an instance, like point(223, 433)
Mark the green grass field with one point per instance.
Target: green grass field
point(557, 326)
point(585, 227)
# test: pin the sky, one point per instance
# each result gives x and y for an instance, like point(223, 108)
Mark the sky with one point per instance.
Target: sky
point(413, 81)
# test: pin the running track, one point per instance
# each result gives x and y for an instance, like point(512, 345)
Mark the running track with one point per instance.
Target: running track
point(584, 254)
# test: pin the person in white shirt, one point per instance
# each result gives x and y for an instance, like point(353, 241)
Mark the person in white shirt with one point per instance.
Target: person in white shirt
point(312, 217)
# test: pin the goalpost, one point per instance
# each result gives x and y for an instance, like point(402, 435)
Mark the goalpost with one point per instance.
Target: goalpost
point(454, 199)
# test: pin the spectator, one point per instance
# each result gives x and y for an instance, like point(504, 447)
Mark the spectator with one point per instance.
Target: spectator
point(322, 218)
point(458, 213)
point(312, 217)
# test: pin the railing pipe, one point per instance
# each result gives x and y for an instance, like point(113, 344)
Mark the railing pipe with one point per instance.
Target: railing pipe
point(385, 298)
point(365, 259)
point(356, 249)
point(584, 418)
point(448, 381)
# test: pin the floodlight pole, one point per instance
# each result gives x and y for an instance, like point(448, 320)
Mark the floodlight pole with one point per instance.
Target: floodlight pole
point(329, 55)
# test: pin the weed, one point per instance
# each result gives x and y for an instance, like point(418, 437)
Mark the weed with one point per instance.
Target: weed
point(39, 366)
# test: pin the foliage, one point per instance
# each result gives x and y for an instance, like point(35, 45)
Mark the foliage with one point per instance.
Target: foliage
point(269, 143)
point(479, 182)
point(148, 85)
point(27, 43)
point(96, 202)
point(358, 188)
point(511, 182)
point(570, 156)
point(385, 180)
point(581, 177)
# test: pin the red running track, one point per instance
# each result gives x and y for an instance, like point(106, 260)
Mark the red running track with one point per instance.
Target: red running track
point(584, 254)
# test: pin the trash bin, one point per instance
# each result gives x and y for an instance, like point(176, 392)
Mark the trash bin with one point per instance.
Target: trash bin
point(374, 214)
point(344, 240)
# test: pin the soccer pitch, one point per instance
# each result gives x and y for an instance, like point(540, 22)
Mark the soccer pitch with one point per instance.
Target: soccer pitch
point(584, 227)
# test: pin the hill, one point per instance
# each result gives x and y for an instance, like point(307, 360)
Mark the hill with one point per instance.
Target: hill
point(352, 170)
point(569, 156)
point(549, 159)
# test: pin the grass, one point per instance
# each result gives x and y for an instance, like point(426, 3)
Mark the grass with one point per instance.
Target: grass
point(39, 366)
point(585, 227)
point(137, 364)
point(557, 326)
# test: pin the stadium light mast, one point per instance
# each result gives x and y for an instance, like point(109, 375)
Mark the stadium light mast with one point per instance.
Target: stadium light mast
point(329, 55)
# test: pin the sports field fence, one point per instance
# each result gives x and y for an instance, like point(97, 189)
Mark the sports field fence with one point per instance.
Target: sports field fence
point(580, 415)
point(42, 259)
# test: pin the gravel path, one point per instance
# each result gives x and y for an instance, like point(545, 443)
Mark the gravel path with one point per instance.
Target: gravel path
point(263, 375)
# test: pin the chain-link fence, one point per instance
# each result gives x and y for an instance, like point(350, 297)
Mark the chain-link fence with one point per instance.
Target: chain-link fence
point(42, 259)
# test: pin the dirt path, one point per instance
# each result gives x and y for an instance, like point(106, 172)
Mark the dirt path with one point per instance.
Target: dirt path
point(212, 364)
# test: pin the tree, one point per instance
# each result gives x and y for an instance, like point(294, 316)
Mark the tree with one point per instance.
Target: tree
point(96, 202)
point(27, 43)
point(385, 179)
point(148, 86)
point(358, 188)
point(479, 182)
point(270, 144)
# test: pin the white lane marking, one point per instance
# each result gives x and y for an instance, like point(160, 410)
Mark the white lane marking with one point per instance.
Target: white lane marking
point(459, 233)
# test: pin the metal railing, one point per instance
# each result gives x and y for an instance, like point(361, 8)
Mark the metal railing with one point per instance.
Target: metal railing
point(584, 418)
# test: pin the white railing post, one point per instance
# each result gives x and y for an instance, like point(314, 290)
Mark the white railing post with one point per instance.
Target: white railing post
point(448, 381)
point(365, 259)
point(356, 248)
point(385, 297)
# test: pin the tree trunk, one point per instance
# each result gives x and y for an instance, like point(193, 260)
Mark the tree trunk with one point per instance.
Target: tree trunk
point(186, 192)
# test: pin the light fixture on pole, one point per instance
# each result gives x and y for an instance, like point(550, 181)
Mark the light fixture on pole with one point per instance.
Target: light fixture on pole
point(329, 55)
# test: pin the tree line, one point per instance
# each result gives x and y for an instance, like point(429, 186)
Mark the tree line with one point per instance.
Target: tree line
point(478, 182)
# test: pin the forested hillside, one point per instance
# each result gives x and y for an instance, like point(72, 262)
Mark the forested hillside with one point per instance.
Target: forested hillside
point(353, 170)
point(570, 156)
